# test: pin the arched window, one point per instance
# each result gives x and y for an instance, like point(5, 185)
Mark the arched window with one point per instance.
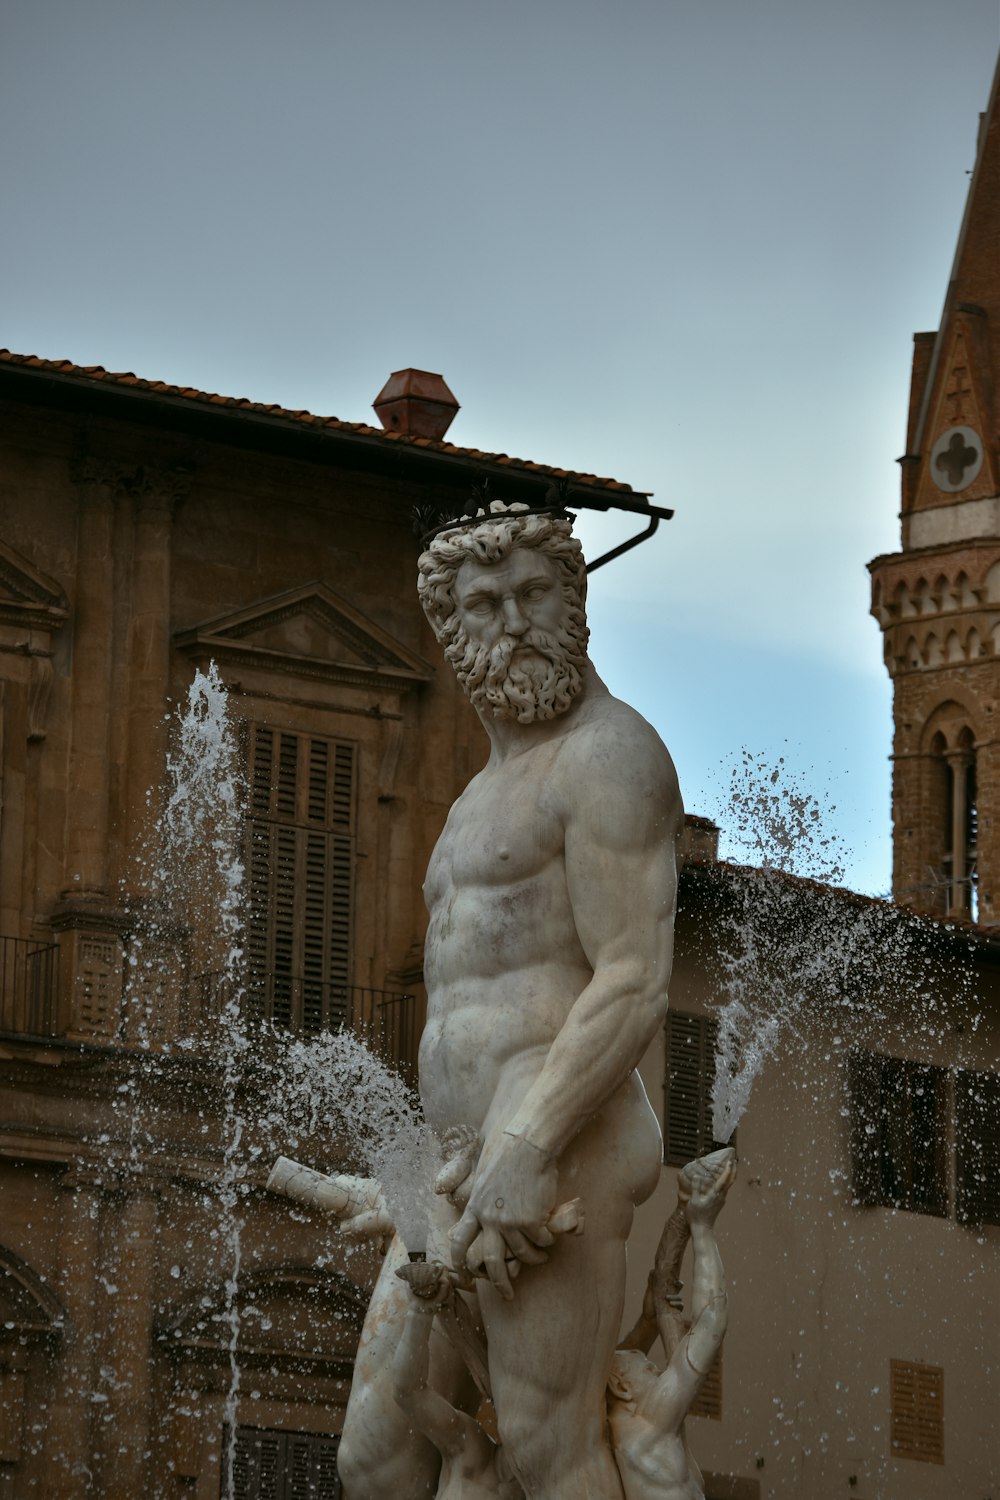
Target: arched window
point(959, 832)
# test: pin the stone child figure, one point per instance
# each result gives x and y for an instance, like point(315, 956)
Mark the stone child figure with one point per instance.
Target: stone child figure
point(551, 897)
point(647, 1408)
point(472, 1466)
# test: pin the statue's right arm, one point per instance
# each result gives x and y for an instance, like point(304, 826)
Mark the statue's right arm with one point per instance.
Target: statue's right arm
point(670, 1399)
point(709, 1305)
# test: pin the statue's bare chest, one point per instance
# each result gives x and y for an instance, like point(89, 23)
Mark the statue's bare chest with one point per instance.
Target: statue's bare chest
point(503, 830)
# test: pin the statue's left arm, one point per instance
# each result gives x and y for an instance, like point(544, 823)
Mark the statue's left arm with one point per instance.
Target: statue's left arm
point(622, 814)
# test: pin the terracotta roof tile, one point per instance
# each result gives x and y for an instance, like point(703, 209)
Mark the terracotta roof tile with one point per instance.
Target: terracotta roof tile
point(306, 418)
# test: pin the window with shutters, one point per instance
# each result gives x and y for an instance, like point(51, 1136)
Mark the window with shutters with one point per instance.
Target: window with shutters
point(898, 1133)
point(273, 1465)
point(300, 873)
point(977, 1147)
point(687, 1129)
point(917, 1397)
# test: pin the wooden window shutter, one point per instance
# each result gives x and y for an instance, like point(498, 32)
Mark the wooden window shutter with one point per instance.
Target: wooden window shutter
point(256, 1464)
point(917, 1397)
point(977, 1147)
point(276, 1465)
point(898, 1113)
point(300, 861)
point(863, 1082)
point(690, 1071)
point(312, 1468)
point(927, 1185)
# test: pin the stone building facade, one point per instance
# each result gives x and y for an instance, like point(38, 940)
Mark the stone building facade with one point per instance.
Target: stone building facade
point(147, 532)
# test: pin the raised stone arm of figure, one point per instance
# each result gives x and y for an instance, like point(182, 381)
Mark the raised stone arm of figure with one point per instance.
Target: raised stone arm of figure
point(710, 1179)
point(357, 1202)
point(617, 801)
point(663, 1286)
point(647, 1408)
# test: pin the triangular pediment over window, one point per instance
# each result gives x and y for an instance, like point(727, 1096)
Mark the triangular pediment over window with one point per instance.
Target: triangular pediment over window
point(28, 1306)
point(27, 596)
point(309, 632)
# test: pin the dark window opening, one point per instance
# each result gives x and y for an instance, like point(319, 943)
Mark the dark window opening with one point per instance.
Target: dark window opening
point(274, 1465)
point(898, 1133)
point(955, 797)
point(300, 867)
point(690, 1073)
point(977, 1147)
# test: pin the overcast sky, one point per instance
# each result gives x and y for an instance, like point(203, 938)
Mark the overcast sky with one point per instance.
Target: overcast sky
point(684, 243)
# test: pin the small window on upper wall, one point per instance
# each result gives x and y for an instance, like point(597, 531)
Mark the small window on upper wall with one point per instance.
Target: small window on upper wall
point(917, 1396)
point(977, 1147)
point(687, 1131)
point(898, 1133)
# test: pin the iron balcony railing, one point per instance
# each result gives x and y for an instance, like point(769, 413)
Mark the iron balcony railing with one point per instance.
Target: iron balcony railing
point(29, 978)
point(390, 1021)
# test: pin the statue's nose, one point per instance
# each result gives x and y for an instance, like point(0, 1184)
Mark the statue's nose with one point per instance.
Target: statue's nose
point(513, 620)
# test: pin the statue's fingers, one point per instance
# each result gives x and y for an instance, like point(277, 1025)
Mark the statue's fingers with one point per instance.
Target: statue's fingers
point(451, 1176)
point(489, 1251)
point(371, 1224)
point(461, 1237)
point(523, 1250)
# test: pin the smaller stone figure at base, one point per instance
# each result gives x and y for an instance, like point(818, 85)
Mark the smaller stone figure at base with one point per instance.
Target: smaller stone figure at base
point(646, 1408)
point(472, 1465)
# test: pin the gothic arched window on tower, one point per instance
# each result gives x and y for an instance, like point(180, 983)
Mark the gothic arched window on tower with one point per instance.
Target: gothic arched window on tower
point(956, 815)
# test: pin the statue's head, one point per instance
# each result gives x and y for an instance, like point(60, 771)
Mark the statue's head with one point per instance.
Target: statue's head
point(505, 597)
point(630, 1376)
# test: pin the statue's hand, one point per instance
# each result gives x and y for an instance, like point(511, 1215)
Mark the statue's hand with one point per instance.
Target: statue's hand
point(513, 1194)
point(461, 1146)
point(709, 1185)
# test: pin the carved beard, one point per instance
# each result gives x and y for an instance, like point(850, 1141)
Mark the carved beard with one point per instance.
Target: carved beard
point(537, 687)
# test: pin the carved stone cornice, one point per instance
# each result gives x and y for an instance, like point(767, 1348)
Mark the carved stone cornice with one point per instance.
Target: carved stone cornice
point(90, 915)
point(100, 480)
point(158, 490)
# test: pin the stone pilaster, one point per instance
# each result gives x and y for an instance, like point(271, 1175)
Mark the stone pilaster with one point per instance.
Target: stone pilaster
point(155, 495)
point(80, 1258)
point(124, 1439)
point(100, 485)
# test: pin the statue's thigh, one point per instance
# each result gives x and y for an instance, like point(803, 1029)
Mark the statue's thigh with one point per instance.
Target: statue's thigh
point(555, 1340)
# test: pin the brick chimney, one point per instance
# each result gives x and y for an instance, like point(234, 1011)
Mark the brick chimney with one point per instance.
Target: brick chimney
point(417, 403)
point(700, 839)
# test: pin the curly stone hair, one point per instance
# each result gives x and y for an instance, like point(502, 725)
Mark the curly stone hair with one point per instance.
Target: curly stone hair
point(490, 541)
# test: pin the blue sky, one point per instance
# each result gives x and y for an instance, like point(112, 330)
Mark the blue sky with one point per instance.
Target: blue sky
point(684, 245)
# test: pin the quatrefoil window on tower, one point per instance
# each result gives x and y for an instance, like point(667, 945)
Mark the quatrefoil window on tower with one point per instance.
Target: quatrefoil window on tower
point(956, 459)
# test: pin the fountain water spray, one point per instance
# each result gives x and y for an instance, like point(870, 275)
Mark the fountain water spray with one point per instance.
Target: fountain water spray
point(789, 942)
point(189, 902)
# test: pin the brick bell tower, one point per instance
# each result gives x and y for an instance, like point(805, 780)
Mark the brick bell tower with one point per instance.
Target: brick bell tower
point(938, 598)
